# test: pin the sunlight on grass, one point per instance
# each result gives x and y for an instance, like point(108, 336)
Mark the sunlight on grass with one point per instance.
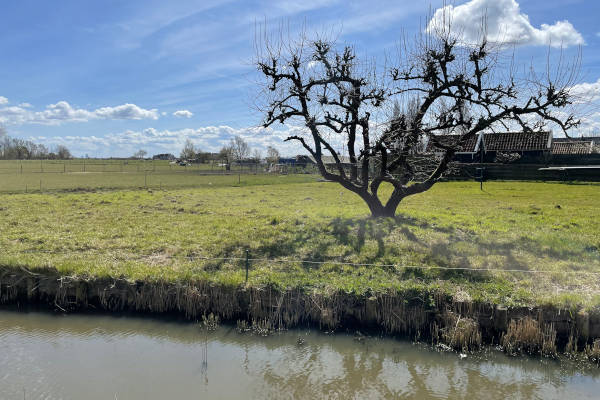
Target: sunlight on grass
point(166, 234)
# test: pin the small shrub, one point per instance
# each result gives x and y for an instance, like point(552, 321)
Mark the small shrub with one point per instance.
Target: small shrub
point(210, 322)
point(593, 352)
point(527, 336)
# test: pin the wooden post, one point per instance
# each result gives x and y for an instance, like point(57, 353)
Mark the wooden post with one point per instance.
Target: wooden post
point(247, 263)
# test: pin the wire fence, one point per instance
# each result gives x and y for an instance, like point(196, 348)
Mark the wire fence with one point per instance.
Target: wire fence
point(123, 166)
point(99, 177)
point(252, 260)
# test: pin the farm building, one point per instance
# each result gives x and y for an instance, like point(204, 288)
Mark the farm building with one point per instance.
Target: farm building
point(528, 147)
point(467, 152)
point(572, 147)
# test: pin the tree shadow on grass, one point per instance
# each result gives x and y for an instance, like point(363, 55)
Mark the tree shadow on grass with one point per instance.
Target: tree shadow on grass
point(342, 239)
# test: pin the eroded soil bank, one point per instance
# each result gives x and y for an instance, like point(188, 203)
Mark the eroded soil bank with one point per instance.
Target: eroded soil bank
point(425, 316)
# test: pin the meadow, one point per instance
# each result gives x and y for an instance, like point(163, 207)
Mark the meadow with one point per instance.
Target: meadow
point(514, 243)
point(38, 176)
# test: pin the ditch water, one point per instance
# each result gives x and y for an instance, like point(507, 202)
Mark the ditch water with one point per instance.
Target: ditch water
point(46, 356)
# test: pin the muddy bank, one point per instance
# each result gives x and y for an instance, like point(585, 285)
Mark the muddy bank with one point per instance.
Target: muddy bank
point(425, 316)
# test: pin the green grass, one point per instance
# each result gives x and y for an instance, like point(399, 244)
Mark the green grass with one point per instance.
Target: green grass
point(48, 176)
point(104, 165)
point(154, 234)
point(20, 176)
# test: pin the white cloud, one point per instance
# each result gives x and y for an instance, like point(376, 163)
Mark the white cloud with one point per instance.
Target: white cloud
point(3, 100)
point(183, 114)
point(125, 111)
point(55, 114)
point(505, 24)
point(209, 138)
point(586, 92)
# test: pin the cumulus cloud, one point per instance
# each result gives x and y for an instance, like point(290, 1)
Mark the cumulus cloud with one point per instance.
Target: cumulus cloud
point(55, 114)
point(586, 92)
point(3, 100)
point(208, 138)
point(126, 111)
point(183, 114)
point(505, 24)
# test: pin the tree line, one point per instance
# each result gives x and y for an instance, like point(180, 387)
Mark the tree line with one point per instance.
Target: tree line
point(20, 149)
point(236, 151)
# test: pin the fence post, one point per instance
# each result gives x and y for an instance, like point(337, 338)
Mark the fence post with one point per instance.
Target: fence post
point(247, 263)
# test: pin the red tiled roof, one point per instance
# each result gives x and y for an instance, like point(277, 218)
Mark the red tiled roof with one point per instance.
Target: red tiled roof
point(451, 140)
point(571, 147)
point(517, 141)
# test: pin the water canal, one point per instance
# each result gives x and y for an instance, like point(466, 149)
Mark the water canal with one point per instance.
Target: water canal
point(47, 356)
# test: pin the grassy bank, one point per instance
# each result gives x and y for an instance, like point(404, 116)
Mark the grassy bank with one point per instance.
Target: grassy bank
point(181, 235)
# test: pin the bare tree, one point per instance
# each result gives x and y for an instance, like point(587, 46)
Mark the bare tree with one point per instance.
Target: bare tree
point(272, 155)
point(4, 142)
point(189, 151)
point(256, 155)
point(140, 154)
point(240, 149)
point(226, 154)
point(442, 86)
point(63, 153)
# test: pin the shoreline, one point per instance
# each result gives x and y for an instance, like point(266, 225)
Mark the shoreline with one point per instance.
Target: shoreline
point(433, 317)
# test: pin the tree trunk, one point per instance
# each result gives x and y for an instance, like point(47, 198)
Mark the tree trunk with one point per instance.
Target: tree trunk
point(377, 208)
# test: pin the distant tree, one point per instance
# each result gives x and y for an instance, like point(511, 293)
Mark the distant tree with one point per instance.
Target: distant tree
point(226, 154)
point(203, 157)
point(63, 153)
point(240, 149)
point(256, 155)
point(4, 141)
point(140, 154)
point(189, 151)
point(272, 155)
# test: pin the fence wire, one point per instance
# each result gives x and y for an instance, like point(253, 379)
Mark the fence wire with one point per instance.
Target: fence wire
point(427, 267)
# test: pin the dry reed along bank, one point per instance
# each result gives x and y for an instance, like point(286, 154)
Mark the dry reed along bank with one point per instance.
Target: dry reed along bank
point(427, 316)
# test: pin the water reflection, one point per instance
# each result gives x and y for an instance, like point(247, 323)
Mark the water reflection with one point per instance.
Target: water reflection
point(101, 357)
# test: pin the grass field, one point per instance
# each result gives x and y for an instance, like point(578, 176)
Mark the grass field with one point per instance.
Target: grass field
point(167, 234)
point(105, 165)
point(51, 176)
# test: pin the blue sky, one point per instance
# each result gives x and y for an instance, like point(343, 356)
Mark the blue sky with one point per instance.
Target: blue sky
point(112, 77)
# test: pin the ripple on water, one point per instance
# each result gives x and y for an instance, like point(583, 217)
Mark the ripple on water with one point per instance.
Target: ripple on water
point(100, 357)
